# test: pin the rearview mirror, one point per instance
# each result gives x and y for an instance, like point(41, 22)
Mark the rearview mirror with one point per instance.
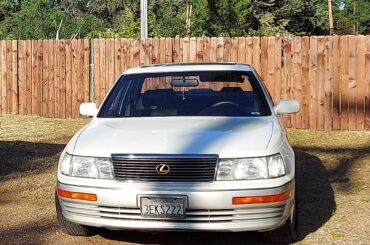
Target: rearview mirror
point(88, 109)
point(287, 107)
point(184, 82)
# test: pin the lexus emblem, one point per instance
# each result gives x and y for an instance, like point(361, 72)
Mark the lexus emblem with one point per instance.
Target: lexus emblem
point(162, 168)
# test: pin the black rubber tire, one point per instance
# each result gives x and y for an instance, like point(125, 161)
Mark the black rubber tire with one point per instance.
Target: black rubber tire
point(285, 234)
point(69, 227)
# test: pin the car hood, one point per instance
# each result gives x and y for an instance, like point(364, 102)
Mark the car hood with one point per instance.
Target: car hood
point(225, 136)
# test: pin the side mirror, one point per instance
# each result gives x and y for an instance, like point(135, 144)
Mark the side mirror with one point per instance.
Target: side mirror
point(88, 109)
point(287, 107)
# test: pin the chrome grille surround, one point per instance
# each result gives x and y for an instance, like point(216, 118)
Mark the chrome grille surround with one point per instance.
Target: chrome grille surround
point(183, 168)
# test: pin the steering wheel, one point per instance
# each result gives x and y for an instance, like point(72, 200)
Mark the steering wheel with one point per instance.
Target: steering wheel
point(225, 103)
point(212, 110)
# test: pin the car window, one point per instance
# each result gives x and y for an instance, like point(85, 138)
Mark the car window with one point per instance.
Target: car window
point(218, 93)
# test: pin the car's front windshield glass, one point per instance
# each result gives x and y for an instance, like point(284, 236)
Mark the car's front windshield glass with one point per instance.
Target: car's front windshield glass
point(211, 93)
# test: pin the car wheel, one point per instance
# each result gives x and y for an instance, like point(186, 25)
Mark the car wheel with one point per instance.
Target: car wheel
point(69, 227)
point(287, 233)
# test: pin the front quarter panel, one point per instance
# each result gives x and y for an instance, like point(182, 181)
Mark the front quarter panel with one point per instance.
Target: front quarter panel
point(71, 145)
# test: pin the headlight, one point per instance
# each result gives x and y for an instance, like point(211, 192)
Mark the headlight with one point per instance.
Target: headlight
point(251, 168)
point(87, 167)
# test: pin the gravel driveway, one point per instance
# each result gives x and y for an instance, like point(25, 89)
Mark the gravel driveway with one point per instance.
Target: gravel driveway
point(333, 170)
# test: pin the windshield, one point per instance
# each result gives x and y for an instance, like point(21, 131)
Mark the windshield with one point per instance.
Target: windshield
point(215, 93)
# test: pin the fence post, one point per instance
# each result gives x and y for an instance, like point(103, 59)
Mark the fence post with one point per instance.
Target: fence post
point(91, 70)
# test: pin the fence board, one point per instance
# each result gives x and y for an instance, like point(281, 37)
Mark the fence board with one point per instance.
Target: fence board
point(321, 79)
point(352, 83)
point(169, 58)
point(227, 49)
point(367, 82)
point(62, 79)
point(312, 78)
point(176, 50)
point(156, 49)
point(200, 49)
point(264, 60)
point(192, 50)
point(45, 78)
point(344, 45)
point(123, 45)
point(249, 50)
point(57, 78)
point(297, 77)
point(234, 55)
point(14, 77)
point(35, 81)
point(206, 49)
point(51, 102)
point(80, 79)
point(97, 79)
point(287, 79)
point(185, 49)
point(213, 48)
point(29, 77)
point(1, 82)
point(69, 77)
point(277, 70)
point(21, 59)
point(270, 69)
point(335, 71)
point(9, 74)
point(135, 50)
point(85, 70)
point(117, 58)
point(305, 59)
point(360, 73)
point(109, 66)
point(328, 86)
point(256, 59)
point(3, 75)
point(241, 50)
point(103, 70)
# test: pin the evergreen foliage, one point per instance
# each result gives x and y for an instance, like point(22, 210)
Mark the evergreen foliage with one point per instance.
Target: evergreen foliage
point(43, 19)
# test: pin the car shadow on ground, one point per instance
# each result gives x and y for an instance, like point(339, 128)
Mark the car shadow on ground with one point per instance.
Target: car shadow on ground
point(315, 200)
point(315, 196)
point(22, 156)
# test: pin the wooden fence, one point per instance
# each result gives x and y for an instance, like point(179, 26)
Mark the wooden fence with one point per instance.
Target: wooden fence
point(329, 75)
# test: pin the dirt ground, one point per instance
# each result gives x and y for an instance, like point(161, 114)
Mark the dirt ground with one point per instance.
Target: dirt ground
point(333, 170)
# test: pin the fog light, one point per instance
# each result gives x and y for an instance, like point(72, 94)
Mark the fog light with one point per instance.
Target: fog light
point(77, 195)
point(261, 199)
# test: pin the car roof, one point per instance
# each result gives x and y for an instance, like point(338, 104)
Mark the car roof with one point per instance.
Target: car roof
point(188, 67)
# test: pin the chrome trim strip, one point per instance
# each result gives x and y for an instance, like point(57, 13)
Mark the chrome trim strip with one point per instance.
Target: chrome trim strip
point(173, 184)
point(133, 155)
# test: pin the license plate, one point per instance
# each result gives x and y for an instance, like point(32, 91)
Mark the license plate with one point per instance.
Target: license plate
point(163, 207)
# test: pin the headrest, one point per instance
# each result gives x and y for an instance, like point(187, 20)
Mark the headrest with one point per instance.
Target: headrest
point(158, 97)
point(232, 90)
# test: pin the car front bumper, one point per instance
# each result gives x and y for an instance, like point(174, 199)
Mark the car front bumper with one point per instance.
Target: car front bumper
point(205, 210)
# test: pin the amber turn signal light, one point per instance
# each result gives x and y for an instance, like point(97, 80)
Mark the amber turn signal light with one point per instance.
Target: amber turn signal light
point(77, 195)
point(261, 199)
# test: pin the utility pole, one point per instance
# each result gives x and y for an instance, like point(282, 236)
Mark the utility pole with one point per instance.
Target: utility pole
point(144, 18)
point(355, 19)
point(188, 13)
point(331, 26)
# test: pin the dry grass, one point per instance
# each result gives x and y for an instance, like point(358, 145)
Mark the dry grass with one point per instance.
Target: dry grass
point(29, 143)
point(332, 175)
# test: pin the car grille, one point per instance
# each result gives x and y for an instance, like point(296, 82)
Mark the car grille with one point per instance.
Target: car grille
point(197, 168)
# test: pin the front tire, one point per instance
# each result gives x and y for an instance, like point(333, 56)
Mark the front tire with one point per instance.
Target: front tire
point(69, 227)
point(287, 233)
